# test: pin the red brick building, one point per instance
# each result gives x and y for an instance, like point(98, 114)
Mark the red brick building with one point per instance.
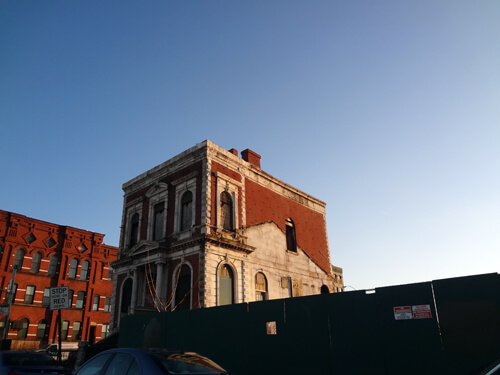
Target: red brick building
point(208, 228)
point(49, 255)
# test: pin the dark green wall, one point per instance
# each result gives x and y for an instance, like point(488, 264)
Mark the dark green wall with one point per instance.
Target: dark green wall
point(345, 333)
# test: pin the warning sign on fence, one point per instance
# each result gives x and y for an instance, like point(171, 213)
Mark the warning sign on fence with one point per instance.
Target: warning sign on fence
point(421, 311)
point(412, 312)
point(402, 312)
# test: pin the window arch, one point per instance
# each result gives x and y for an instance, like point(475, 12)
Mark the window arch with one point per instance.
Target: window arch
point(23, 328)
point(324, 289)
point(260, 287)
point(226, 203)
point(183, 289)
point(226, 285)
point(18, 259)
point(134, 230)
point(73, 266)
point(52, 265)
point(186, 210)
point(35, 262)
point(84, 273)
point(291, 241)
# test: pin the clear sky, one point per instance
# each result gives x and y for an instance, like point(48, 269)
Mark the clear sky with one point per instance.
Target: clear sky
point(388, 111)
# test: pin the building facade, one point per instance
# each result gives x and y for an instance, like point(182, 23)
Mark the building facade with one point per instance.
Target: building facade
point(48, 255)
point(208, 228)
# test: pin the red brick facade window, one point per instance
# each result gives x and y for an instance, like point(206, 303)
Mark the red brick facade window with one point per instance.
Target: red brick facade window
point(35, 262)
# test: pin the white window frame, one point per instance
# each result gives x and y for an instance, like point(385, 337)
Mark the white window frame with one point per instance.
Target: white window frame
point(132, 209)
point(182, 186)
point(225, 183)
point(235, 281)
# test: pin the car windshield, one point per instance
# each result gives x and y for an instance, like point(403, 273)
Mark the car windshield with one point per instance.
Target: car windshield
point(27, 359)
point(187, 363)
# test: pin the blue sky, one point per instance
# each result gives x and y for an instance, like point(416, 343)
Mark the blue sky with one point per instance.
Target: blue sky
point(388, 111)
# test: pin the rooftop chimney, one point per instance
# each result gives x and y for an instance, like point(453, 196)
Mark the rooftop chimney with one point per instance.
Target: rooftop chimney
point(251, 157)
point(234, 151)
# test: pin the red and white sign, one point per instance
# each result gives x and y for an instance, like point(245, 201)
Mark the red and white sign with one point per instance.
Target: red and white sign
point(402, 312)
point(421, 311)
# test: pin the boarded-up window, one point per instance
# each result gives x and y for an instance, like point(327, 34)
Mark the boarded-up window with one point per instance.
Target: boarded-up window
point(226, 203)
point(260, 287)
point(291, 242)
point(159, 221)
point(226, 285)
point(134, 230)
point(296, 286)
point(187, 210)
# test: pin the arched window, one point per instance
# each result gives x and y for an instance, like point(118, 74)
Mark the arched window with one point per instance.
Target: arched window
point(226, 203)
point(291, 242)
point(186, 210)
point(23, 328)
point(18, 259)
point(41, 330)
point(226, 285)
point(52, 265)
point(126, 296)
point(73, 266)
point(260, 287)
point(84, 274)
point(35, 262)
point(183, 289)
point(134, 230)
point(324, 289)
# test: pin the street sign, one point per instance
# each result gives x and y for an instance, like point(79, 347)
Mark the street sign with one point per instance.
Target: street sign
point(59, 298)
point(4, 310)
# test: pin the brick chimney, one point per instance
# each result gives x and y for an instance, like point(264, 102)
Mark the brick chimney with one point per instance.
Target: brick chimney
point(251, 157)
point(234, 151)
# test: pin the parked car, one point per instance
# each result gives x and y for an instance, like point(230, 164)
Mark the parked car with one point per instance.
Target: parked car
point(126, 361)
point(29, 363)
point(493, 369)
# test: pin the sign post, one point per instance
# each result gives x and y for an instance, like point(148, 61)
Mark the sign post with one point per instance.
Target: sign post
point(59, 299)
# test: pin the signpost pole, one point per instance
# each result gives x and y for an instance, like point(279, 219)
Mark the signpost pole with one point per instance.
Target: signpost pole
point(59, 299)
point(10, 300)
point(59, 319)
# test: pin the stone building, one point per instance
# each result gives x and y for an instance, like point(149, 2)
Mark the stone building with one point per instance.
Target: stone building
point(49, 255)
point(208, 228)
